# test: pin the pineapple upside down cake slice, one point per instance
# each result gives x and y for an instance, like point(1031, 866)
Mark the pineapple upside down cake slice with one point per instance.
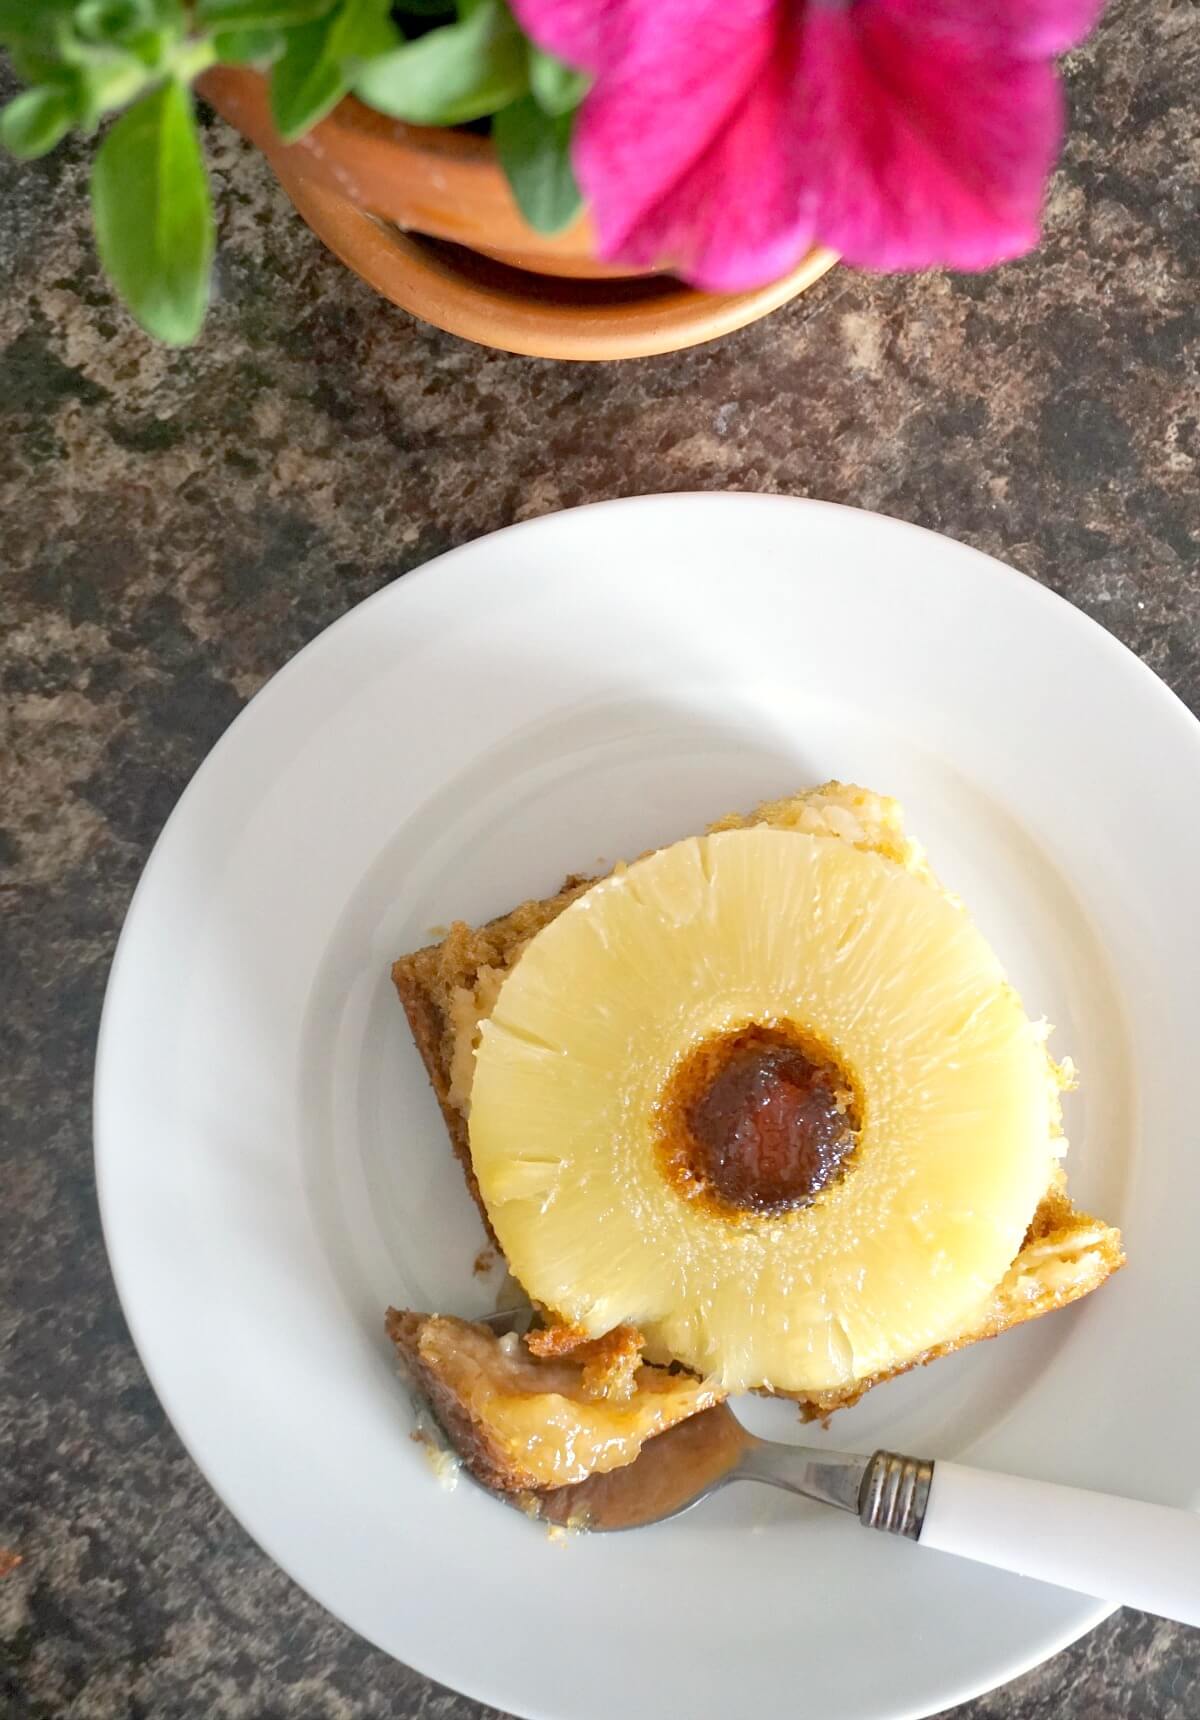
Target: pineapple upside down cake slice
point(764, 1102)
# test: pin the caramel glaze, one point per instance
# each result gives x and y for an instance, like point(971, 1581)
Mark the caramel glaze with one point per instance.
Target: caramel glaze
point(757, 1121)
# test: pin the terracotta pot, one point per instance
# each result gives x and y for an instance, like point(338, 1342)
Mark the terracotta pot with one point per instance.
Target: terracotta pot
point(426, 217)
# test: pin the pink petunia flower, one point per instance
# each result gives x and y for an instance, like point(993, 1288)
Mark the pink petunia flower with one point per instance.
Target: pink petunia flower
point(723, 137)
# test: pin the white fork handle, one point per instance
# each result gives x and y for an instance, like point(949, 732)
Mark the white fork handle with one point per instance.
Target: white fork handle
point(1120, 1550)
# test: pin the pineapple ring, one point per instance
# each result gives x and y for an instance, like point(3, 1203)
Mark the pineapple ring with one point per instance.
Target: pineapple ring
point(703, 938)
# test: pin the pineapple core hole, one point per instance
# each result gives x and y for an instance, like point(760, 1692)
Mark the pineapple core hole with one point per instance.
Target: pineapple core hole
point(759, 1120)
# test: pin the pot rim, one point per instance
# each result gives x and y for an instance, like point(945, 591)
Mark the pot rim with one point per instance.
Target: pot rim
point(485, 304)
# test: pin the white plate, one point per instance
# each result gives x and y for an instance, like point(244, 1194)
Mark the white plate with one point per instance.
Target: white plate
point(273, 1170)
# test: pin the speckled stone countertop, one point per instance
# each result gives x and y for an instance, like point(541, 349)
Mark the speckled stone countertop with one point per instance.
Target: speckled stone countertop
point(175, 525)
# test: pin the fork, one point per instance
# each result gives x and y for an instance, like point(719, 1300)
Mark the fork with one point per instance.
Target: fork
point(1120, 1550)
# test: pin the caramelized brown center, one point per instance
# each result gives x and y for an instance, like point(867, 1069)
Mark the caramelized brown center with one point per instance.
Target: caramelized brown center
point(760, 1120)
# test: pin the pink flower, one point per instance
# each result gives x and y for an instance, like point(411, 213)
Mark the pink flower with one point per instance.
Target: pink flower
point(724, 137)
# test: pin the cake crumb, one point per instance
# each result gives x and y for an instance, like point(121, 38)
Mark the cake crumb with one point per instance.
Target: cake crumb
point(485, 1261)
point(446, 1464)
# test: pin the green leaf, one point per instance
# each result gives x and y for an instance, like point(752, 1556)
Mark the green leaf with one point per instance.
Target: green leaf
point(30, 20)
point(363, 31)
point(557, 87)
point(112, 20)
point(250, 47)
point(106, 83)
point(153, 214)
point(535, 152)
point(321, 60)
point(260, 14)
point(33, 64)
point(306, 83)
point(458, 73)
point(33, 122)
point(155, 48)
